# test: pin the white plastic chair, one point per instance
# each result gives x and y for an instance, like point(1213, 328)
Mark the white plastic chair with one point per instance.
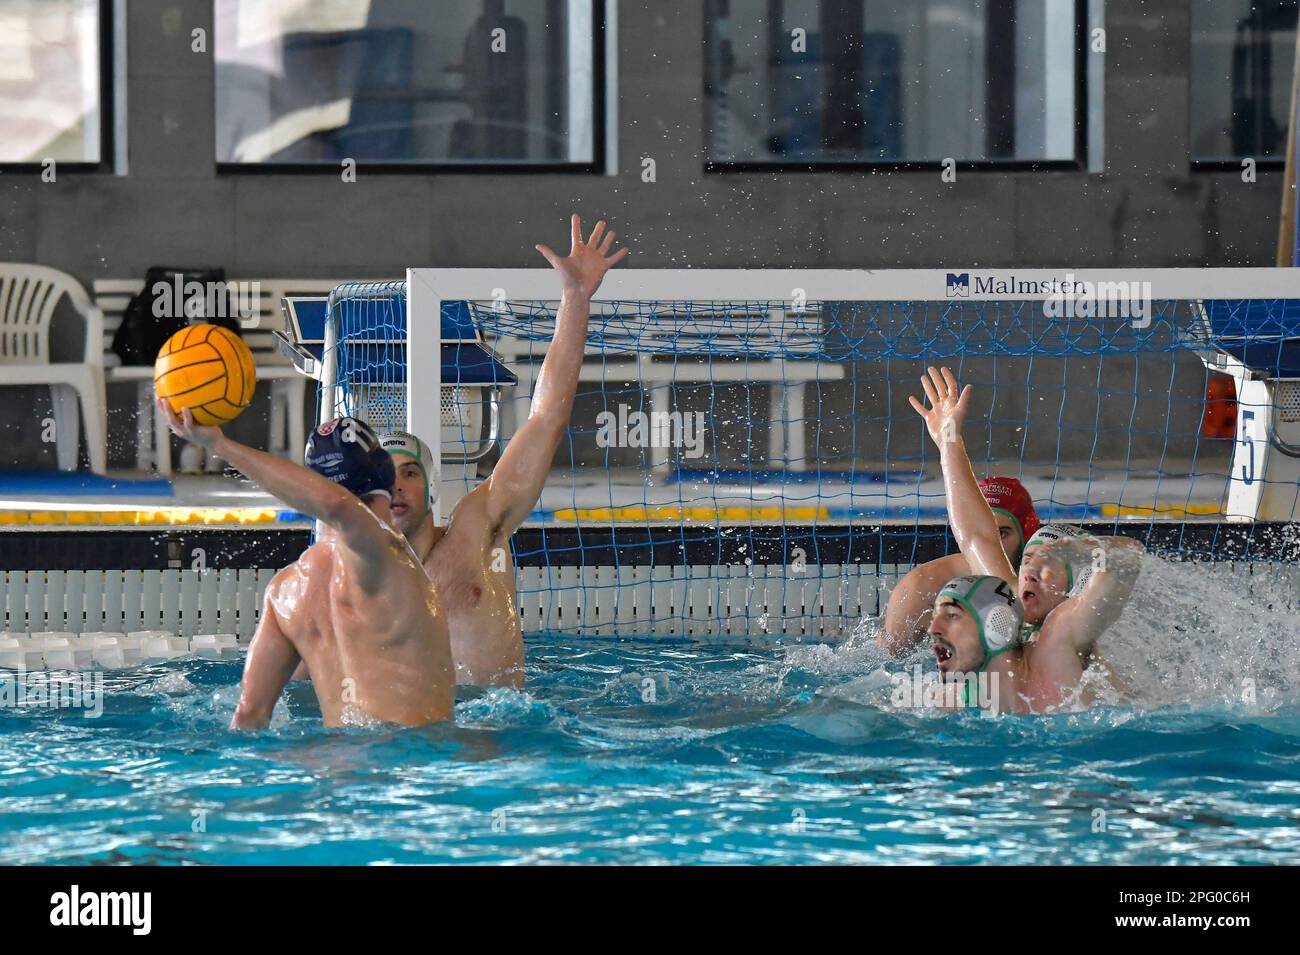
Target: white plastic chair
point(288, 435)
point(29, 295)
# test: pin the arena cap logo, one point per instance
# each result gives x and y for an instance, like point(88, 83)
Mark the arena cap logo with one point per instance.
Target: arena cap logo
point(958, 285)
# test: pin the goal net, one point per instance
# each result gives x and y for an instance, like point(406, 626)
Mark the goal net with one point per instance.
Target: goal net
point(742, 459)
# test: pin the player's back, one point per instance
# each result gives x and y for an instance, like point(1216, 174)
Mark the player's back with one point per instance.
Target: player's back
point(382, 655)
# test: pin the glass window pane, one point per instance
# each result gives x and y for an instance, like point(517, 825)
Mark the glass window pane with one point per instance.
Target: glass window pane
point(1243, 57)
point(811, 81)
point(49, 81)
point(405, 81)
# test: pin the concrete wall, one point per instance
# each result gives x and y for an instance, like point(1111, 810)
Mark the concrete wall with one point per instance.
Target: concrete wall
point(1146, 209)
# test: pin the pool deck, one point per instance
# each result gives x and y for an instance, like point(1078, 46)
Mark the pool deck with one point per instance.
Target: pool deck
point(134, 499)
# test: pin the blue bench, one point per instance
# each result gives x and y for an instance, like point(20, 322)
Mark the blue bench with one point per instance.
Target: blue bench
point(1262, 334)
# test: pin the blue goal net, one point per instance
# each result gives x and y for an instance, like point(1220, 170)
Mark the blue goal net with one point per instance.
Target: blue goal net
point(752, 465)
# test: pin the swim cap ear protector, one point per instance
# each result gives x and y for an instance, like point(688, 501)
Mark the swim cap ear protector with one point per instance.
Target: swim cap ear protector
point(993, 605)
point(347, 452)
point(1008, 496)
point(405, 443)
point(1076, 576)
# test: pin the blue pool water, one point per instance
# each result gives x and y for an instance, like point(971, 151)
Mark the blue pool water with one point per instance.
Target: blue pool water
point(744, 756)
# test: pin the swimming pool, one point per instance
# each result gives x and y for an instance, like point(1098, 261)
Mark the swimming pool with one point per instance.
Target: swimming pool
point(763, 756)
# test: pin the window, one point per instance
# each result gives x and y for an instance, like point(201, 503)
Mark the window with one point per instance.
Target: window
point(1243, 57)
point(408, 83)
point(53, 88)
point(813, 83)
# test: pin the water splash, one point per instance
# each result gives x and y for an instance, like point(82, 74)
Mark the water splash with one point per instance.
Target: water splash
point(1191, 635)
point(1200, 633)
point(500, 707)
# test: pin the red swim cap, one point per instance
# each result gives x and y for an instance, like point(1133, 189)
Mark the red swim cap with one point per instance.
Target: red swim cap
point(1007, 495)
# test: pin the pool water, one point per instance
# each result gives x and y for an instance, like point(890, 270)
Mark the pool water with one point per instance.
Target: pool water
point(627, 753)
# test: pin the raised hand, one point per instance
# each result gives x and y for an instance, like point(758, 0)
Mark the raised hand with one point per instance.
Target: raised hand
point(183, 426)
point(947, 407)
point(587, 262)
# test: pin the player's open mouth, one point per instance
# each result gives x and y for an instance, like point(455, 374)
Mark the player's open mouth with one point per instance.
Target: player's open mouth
point(942, 653)
point(1028, 594)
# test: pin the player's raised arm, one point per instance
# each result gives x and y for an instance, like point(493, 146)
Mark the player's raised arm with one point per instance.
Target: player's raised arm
point(517, 480)
point(300, 488)
point(1112, 564)
point(969, 514)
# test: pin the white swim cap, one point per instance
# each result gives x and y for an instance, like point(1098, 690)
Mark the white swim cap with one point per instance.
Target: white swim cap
point(1076, 576)
point(993, 605)
point(405, 443)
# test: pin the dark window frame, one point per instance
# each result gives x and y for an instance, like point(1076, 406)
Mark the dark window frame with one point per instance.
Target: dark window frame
point(1081, 110)
point(107, 104)
point(489, 167)
point(1234, 163)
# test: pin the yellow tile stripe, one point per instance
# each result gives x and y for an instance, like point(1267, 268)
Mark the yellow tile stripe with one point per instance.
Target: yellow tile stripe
point(636, 514)
point(646, 515)
point(1162, 510)
point(165, 517)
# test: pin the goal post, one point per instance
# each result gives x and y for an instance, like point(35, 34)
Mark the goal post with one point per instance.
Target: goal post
point(424, 382)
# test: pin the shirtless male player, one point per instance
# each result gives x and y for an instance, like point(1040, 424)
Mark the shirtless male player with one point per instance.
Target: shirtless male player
point(356, 607)
point(1071, 586)
point(469, 558)
point(907, 615)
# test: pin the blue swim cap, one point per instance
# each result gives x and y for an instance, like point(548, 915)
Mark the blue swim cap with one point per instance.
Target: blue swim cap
point(347, 452)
